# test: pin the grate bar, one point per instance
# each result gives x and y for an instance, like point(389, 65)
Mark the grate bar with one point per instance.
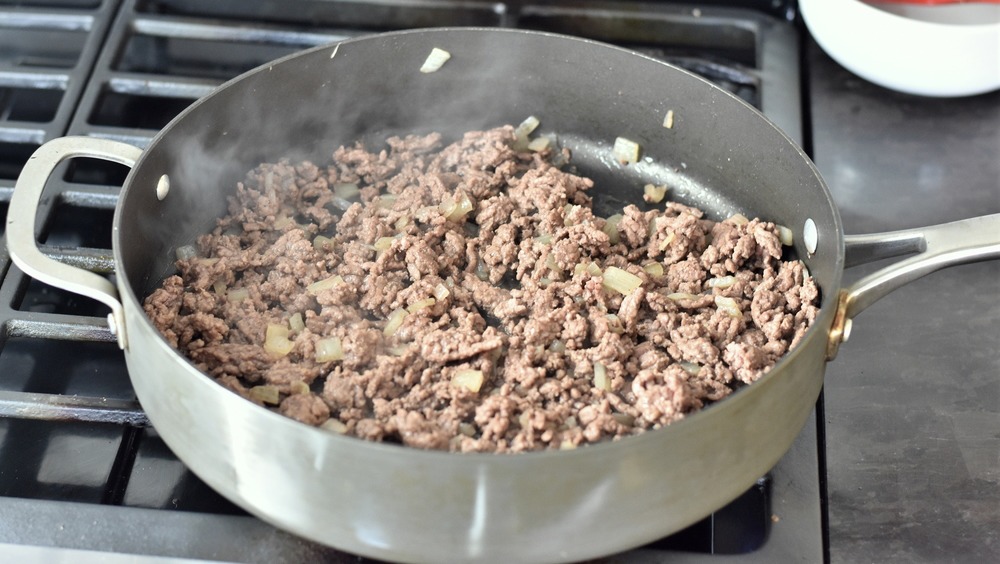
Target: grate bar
point(170, 27)
point(174, 87)
point(55, 407)
point(46, 20)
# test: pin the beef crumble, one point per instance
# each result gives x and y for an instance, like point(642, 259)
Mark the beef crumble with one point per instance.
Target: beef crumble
point(468, 299)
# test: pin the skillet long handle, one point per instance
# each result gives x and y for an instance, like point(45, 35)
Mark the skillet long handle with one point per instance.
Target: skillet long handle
point(24, 207)
point(938, 246)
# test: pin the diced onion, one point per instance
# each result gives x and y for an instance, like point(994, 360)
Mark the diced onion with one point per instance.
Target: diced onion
point(653, 194)
point(681, 296)
point(284, 222)
point(471, 380)
point(398, 350)
point(482, 271)
point(186, 252)
point(394, 321)
point(434, 61)
point(722, 282)
point(557, 346)
point(615, 324)
point(459, 210)
point(625, 151)
point(667, 240)
point(295, 322)
point(340, 203)
point(601, 380)
point(539, 144)
point(299, 387)
point(265, 394)
point(322, 243)
point(654, 269)
point(728, 306)
point(329, 349)
point(346, 190)
point(624, 419)
point(526, 127)
point(786, 236)
point(691, 368)
point(467, 429)
point(668, 120)
point(422, 304)
point(621, 281)
point(401, 223)
point(276, 342)
point(383, 243)
point(739, 219)
point(566, 444)
point(611, 228)
point(441, 291)
point(387, 201)
point(316, 287)
point(334, 425)
point(220, 287)
point(237, 295)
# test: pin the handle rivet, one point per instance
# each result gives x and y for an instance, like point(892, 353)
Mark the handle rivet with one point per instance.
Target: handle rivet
point(112, 325)
point(162, 187)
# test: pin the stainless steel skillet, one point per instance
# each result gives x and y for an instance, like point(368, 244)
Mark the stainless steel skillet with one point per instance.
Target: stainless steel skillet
point(396, 503)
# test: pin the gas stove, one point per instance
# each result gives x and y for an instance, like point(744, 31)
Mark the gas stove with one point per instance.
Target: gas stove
point(82, 473)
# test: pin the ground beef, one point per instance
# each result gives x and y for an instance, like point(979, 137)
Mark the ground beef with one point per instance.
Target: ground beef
point(465, 291)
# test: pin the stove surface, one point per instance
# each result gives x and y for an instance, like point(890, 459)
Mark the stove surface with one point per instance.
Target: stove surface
point(82, 475)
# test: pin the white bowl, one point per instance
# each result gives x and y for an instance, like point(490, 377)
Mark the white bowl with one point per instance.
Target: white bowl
point(946, 50)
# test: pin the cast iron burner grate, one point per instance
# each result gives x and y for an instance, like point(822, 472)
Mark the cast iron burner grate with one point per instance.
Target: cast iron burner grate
point(80, 469)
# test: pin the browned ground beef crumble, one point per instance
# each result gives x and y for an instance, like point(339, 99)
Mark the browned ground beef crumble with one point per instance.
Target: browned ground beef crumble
point(507, 290)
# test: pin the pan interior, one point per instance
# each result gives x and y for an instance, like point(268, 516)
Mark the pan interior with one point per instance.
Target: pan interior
point(719, 155)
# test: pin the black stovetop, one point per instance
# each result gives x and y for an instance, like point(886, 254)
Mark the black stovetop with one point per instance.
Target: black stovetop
point(80, 469)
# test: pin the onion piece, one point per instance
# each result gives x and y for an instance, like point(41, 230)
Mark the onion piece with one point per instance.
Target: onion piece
point(265, 394)
point(441, 291)
point(526, 127)
point(329, 349)
point(721, 282)
point(434, 61)
point(601, 380)
point(653, 194)
point(728, 306)
point(237, 295)
point(334, 425)
point(785, 235)
point(681, 296)
point(625, 151)
point(738, 219)
point(186, 252)
point(276, 342)
point(322, 243)
point(471, 380)
point(296, 323)
point(393, 322)
point(690, 367)
point(539, 144)
point(653, 269)
point(316, 287)
point(668, 120)
point(461, 208)
point(298, 387)
point(422, 304)
point(611, 228)
point(621, 281)
point(346, 190)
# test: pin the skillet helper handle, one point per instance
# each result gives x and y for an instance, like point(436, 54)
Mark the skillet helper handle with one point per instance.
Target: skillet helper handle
point(938, 246)
point(24, 207)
